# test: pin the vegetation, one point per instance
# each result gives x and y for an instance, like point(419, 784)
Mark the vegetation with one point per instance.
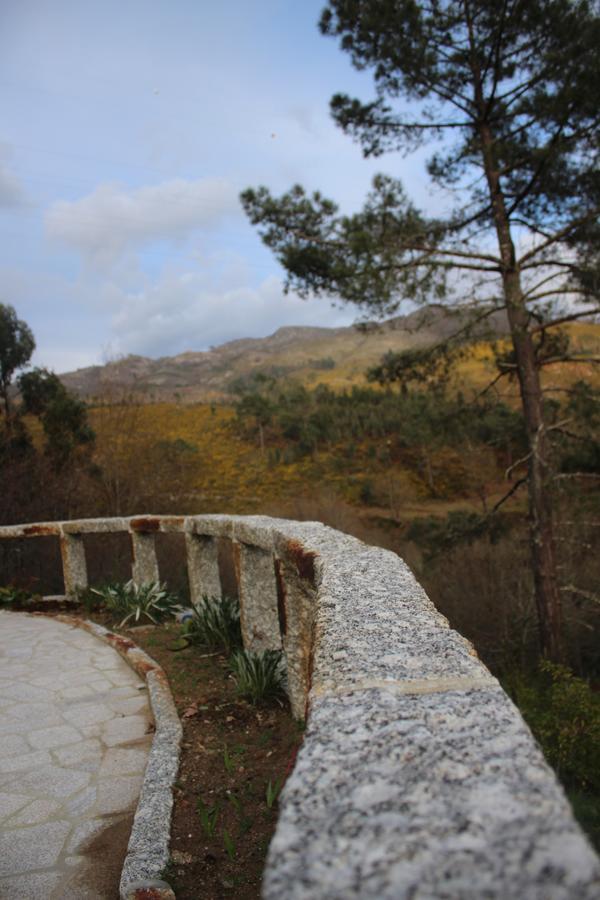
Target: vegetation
point(258, 676)
point(16, 347)
point(45, 440)
point(214, 622)
point(514, 93)
point(150, 602)
point(564, 715)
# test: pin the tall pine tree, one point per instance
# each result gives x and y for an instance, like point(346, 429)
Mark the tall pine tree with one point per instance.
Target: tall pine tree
point(511, 90)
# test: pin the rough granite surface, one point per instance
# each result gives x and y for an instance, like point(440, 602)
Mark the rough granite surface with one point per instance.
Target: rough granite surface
point(417, 777)
point(258, 599)
point(443, 795)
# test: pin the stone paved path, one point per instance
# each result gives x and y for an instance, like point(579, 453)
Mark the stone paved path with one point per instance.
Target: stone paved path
point(74, 738)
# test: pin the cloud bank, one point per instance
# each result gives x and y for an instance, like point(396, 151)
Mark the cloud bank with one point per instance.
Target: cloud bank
point(114, 220)
point(181, 312)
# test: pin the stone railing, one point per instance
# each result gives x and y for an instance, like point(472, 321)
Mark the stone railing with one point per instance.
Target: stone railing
point(417, 777)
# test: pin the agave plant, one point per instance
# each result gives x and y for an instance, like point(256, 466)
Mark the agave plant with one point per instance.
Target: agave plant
point(214, 622)
point(151, 601)
point(259, 676)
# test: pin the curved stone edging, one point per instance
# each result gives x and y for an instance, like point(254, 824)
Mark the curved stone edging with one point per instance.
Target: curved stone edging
point(148, 848)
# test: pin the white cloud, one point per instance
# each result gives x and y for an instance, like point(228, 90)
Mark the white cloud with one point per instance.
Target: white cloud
point(181, 313)
point(114, 220)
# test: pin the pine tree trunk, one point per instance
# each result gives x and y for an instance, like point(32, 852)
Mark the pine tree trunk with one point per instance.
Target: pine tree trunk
point(547, 594)
point(541, 531)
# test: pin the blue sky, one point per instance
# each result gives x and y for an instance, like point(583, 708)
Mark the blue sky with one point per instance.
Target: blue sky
point(128, 130)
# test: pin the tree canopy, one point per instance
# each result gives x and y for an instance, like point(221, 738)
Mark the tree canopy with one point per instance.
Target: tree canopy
point(16, 346)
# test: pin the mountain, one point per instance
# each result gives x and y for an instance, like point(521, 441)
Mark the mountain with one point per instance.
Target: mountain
point(337, 356)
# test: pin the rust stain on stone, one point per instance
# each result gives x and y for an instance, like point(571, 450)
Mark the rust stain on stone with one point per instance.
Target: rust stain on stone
point(151, 893)
point(304, 560)
point(142, 667)
point(309, 669)
point(120, 643)
point(171, 521)
point(145, 524)
point(33, 530)
point(281, 597)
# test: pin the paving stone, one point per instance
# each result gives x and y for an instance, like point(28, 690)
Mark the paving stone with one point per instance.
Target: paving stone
point(35, 813)
point(26, 692)
point(122, 731)
point(10, 803)
point(10, 744)
point(129, 706)
point(25, 762)
point(118, 794)
point(77, 692)
point(37, 714)
point(54, 782)
point(123, 761)
point(24, 849)
point(88, 713)
point(61, 694)
point(57, 736)
point(82, 802)
point(85, 751)
point(38, 886)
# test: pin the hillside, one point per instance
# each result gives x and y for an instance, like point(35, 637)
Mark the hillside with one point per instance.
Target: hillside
point(335, 356)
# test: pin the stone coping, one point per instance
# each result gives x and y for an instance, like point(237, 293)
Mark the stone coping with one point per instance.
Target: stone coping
point(417, 777)
point(148, 848)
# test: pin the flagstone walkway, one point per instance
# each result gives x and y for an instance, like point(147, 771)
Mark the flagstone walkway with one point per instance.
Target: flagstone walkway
point(75, 730)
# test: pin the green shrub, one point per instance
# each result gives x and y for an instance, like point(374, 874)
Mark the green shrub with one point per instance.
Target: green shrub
point(564, 715)
point(14, 596)
point(215, 622)
point(151, 601)
point(259, 676)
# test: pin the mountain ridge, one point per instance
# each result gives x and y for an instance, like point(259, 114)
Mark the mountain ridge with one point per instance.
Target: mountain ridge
point(312, 353)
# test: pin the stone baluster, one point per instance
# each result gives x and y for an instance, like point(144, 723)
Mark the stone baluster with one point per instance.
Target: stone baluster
point(203, 566)
point(74, 564)
point(258, 598)
point(296, 608)
point(144, 564)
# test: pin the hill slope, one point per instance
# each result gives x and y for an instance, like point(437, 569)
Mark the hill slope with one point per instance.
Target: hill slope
point(337, 356)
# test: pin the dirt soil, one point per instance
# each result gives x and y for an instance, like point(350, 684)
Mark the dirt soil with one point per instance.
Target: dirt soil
point(234, 761)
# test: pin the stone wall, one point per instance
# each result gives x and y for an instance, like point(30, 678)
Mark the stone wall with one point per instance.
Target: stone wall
point(417, 777)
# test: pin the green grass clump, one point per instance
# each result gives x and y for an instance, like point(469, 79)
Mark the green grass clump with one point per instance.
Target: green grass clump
point(259, 676)
point(215, 622)
point(138, 602)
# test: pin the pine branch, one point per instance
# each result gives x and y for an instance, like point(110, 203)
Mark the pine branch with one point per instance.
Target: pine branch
point(587, 595)
point(509, 494)
point(556, 237)
point(519, 462)
point(555, 322)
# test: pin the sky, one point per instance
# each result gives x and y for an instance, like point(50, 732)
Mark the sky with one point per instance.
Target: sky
point(128, 131)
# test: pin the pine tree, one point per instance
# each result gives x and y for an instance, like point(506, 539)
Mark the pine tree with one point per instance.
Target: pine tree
point(511, 91)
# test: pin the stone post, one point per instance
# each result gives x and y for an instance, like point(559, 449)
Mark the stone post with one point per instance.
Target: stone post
point(297, 608)
point(203, 566)
point(144, 565)
point(258, 598)
point(74, 564)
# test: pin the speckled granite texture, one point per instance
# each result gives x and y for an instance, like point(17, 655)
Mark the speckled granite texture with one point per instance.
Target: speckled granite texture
point(417, 778)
